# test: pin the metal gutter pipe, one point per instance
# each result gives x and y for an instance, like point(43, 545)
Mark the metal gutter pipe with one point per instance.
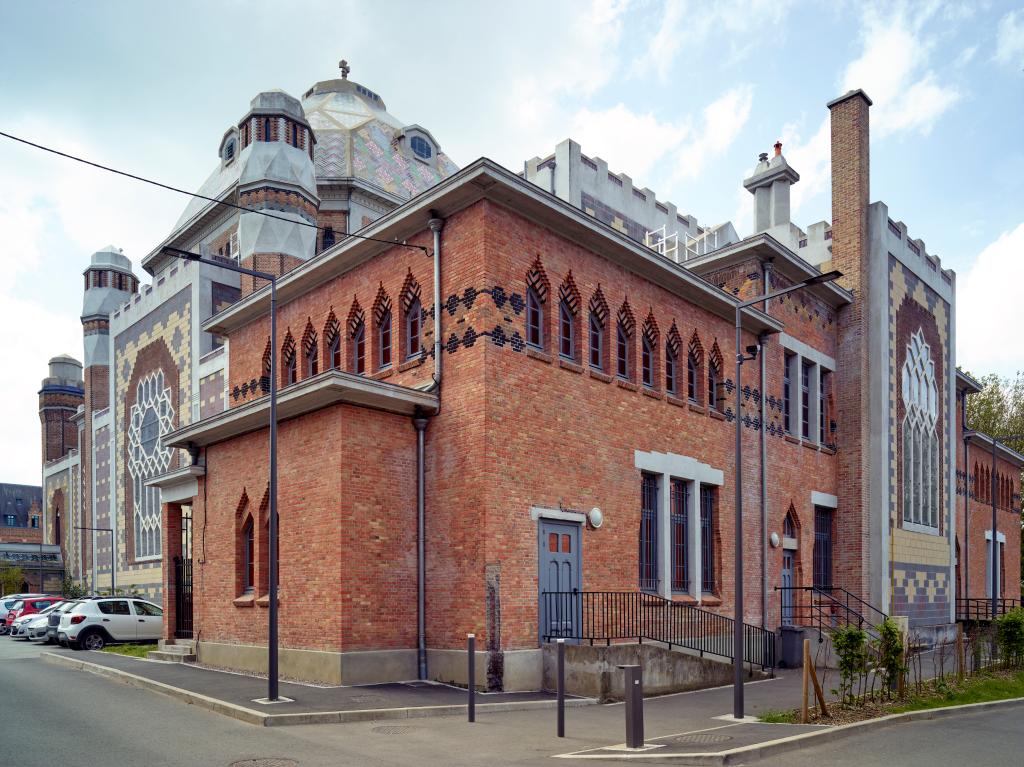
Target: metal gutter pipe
point(420, 422)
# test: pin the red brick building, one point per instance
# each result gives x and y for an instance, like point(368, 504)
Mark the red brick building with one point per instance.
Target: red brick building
point(559, 366)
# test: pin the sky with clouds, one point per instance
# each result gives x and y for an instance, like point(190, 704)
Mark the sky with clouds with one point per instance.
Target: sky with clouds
point(681, 96)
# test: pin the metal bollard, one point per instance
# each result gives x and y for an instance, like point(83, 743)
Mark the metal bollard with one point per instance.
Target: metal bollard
point(561, 688)
point(634, 698)
point(471, 641)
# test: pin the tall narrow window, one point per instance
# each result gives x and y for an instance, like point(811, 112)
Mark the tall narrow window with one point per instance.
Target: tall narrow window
point(671, 380)
point(707, 539)
point(359, 348)
point(787, 393)
point(622, 352)
point(249, 557)
point(691, 377)
point(596, 342)
point(289, 363)
point(566, 331)
point(328, 237)
point(822, 548)
point(334, 352)
point(822, 415)
point(266, 129)
point(680, 544)
point(534, 319)
point(384, 341)
point(805, 399)
point(295, 135)
point(413, 318)
point(713, 381)
point(647, 361)
point(311, 352)
point(648, 532)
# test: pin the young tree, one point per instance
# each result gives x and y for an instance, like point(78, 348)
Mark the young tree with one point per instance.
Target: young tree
point(11, 579)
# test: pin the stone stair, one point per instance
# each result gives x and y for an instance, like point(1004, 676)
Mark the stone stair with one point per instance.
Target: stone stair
point(180, 651)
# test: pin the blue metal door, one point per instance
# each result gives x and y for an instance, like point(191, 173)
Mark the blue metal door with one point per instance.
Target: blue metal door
point(787, 582)
point(559, 579)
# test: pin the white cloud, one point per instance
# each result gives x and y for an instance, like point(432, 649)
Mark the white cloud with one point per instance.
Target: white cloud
point(989, 308)
point(812, 159)
point(965, 57)
point(723, 120)
point(631, 143)
point(893, 70)
point(1010, 39)
point(734, 24)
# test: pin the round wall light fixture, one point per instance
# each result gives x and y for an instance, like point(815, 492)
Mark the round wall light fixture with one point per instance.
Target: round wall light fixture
point(774, 538)
point(595, 517)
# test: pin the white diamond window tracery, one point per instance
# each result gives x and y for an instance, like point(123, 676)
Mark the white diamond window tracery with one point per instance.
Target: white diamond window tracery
point(151, 417)
point(920, 440)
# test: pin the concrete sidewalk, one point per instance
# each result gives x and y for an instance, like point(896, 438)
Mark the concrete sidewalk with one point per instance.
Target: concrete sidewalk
point(236, 695)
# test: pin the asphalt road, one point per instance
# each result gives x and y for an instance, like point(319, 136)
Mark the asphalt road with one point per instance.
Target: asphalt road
point(53, 715)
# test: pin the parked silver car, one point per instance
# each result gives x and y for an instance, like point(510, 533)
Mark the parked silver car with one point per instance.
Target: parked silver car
point(6, 603)
point(20, 628)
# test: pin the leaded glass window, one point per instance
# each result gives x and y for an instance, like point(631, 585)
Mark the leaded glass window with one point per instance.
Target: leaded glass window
point(920, 436)
point(649, 533)
point(150, 417)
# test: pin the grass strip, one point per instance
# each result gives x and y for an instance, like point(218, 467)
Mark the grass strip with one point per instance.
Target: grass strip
point(135, 650)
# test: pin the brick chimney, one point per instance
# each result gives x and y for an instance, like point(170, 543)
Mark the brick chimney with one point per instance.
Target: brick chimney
point(850, 196)
point(851, 166)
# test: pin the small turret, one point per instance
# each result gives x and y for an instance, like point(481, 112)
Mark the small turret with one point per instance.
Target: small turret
point(60, 396)
point(109, 282)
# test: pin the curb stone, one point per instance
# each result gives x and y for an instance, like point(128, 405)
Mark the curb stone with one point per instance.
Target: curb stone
point(312, 717)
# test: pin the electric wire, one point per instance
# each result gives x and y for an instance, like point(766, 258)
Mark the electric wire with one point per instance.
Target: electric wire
point(214, 200)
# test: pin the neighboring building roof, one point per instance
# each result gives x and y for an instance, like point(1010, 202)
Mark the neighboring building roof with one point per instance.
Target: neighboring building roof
point(16, 500)
point(964, 382)
point(1003, 451)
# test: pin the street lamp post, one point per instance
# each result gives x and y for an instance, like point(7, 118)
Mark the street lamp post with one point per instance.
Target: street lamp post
point(737, 637)
point(113, 555)
point(272, 666)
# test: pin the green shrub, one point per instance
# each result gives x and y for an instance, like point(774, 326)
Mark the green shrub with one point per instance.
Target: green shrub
point(849, 643)
point(889, 647)
point(72, 590)
point(1010, 636)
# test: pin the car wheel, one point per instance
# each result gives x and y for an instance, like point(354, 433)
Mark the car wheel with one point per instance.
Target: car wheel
point(92, 641)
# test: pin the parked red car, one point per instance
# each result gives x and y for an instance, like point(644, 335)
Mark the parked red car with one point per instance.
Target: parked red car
point(30, 605)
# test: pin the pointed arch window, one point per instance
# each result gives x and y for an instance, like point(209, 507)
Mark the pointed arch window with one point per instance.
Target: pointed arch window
point(534, 319)
point(920, 438)
point(566, 331)
point(691, 377)
point(596, 342)
point(332, 343)
point(714, 379)
point(413, 318)
point(358, 335)
point(310, 351)
point(289, 363)
point(248, 556)
point(622, 351)
point(671, 375)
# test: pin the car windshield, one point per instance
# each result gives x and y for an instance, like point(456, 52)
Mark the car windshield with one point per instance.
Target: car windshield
point(10, 603)
point(51, 608)
point(18, 605)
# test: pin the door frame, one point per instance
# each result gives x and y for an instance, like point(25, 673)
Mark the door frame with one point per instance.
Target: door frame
point(541, 515)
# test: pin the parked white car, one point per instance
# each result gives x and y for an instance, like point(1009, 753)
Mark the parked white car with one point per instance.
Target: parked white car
point(93, 623)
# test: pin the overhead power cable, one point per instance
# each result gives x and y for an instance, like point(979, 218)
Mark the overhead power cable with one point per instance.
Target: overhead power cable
point(214, 200)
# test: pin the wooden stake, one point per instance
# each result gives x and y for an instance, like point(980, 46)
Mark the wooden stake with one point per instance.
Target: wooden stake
point(817, 691)
point(807, 663)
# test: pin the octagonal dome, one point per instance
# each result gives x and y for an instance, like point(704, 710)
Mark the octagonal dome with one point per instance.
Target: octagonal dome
point(356, 137)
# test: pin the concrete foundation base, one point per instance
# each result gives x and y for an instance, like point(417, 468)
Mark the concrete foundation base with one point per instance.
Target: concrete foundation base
point(593, 672)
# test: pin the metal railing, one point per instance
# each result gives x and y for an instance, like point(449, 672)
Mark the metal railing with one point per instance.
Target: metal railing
point(826, 607)
point(977, 609)
point(607, 616)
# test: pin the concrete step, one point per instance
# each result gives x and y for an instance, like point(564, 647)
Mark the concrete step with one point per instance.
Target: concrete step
point(173, 657)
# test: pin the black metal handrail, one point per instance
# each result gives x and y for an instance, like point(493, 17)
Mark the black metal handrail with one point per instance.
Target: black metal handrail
point(980, 609)
point(607, 616)
point(817, 607)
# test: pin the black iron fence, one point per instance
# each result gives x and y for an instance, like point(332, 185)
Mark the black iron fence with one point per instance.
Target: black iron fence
point(607, 616)
point(182, 598)
point(981, 609)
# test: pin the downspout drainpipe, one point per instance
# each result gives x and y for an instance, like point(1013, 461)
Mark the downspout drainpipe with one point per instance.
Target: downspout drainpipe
point(767, 270)
point(419, 421)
